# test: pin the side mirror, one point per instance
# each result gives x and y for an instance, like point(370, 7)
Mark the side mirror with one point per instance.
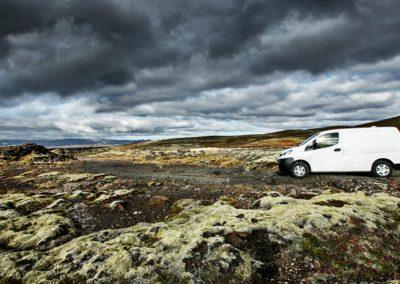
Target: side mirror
point(311, 146)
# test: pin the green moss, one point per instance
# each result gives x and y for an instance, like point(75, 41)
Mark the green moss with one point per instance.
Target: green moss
point(210, 244)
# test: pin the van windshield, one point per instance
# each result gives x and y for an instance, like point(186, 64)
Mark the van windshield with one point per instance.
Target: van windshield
point(309, 139)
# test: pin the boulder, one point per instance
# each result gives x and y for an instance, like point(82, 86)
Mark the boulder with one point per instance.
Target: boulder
point(102, 198)
point(77, 194)
point(158, 200)
point(154, 183)
point(36, 153)
point(117, 205)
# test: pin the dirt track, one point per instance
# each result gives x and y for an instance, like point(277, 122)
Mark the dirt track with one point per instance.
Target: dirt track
point(217, 176)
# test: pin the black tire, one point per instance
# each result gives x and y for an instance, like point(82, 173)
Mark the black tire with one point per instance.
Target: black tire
point(382, 168)
point(299, 170)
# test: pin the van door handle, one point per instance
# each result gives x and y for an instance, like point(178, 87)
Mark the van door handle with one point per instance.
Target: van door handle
point(337, 150)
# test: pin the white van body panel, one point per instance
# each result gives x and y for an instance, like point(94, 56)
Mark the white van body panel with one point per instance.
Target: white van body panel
point(356, 150)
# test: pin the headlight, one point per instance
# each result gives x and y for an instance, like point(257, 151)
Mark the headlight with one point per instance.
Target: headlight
point(286, 153)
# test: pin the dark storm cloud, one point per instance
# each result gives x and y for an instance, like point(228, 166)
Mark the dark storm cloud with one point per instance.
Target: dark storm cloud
point(108, 42)
point(126, 61)
point(112, 40)
point(249, 20)
point(356, 39)
point(24, 16)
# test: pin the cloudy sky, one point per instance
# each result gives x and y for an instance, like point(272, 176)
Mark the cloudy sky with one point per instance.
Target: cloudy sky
point(162, 68)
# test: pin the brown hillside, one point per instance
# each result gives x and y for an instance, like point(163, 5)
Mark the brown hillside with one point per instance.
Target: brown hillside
point(286, 138)
point(393, 121)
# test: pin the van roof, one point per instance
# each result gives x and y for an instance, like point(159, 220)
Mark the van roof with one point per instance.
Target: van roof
point(372, 128)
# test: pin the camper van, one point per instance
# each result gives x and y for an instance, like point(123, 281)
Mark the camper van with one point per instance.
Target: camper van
point(373, 149)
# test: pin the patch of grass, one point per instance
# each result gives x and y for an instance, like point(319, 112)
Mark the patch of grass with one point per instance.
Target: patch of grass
point(279, 139)
point(356, 253)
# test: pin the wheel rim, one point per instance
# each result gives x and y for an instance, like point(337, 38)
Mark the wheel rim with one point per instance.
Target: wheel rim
point(299, 170)
point(382, 170)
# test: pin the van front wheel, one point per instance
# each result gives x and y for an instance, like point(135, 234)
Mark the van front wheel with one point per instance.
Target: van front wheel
point(299, 170)
point(382, 169)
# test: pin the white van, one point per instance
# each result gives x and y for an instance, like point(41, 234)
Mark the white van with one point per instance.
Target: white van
point(373, 149)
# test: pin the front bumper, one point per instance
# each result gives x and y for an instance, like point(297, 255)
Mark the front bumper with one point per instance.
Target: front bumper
point(284, 164)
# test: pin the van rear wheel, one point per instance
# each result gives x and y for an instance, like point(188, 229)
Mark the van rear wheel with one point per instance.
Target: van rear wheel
point(382, 169)
point(299, 170)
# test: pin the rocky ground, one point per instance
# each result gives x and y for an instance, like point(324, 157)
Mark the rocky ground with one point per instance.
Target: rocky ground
point(30, 153)
point(191, 215)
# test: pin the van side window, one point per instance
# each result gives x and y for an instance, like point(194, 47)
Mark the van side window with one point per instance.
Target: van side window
point(326, 140)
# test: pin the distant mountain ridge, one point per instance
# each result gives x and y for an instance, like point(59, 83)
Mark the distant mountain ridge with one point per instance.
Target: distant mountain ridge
point(71, 142)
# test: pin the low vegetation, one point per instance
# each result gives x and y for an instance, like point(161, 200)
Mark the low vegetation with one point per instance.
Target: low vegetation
point(207, 210)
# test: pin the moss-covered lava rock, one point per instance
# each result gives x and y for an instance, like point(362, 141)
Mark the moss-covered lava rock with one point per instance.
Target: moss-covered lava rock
point(326, 237)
